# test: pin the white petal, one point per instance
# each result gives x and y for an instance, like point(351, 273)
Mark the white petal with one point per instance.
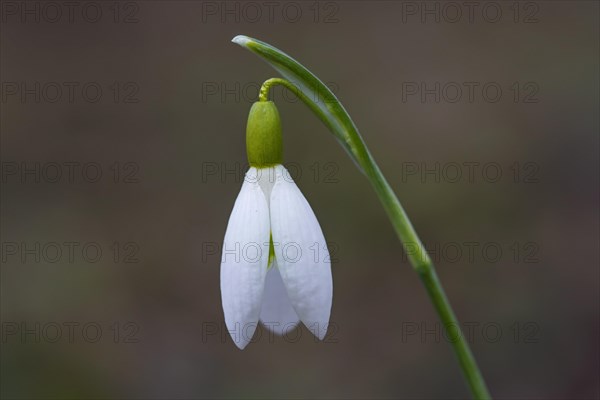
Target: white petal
point(244, 261)
point(301, 253)
point(277, 313)
point(266, 180)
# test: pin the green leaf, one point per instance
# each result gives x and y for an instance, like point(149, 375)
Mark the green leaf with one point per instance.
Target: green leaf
point(315, 94)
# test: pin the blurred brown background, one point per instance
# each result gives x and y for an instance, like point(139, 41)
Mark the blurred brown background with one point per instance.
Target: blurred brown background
point(154, 97)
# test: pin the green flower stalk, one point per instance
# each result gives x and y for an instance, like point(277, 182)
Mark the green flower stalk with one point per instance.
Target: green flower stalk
point(330, 111)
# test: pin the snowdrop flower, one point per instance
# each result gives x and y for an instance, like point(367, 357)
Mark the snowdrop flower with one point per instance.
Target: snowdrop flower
point(275, 265)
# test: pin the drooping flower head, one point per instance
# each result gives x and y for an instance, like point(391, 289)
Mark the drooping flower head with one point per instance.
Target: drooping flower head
point(275, 265)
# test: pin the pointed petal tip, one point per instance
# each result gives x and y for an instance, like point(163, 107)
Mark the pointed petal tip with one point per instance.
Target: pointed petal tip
point(322, 334)
point(241, 344)
point(321, 330)
point(241, 337)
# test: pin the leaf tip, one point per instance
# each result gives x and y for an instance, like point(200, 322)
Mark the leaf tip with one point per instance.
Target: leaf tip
point(242, 40)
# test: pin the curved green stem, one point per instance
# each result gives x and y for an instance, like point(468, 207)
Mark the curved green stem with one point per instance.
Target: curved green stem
point(263, 95)
point(421, 262)
point(335, 117)
point(418, 256)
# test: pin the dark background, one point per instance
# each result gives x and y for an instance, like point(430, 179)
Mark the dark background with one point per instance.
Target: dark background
point(517, 252)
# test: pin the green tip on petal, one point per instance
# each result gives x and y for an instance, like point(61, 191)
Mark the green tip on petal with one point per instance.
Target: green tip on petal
point(271, 252)
point(263, 135)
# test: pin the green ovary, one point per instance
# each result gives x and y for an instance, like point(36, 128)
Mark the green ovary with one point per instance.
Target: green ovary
point(263, 135)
